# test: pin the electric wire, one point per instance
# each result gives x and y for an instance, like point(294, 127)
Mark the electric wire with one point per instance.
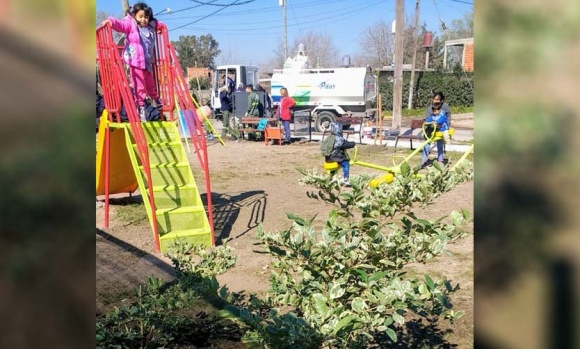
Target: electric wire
point(319, 21)
point(210, 14)
point(463, 2)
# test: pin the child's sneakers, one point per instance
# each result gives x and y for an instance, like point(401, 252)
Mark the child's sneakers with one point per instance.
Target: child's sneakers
point(157, 103)
point(141, 109)
point(346, 183)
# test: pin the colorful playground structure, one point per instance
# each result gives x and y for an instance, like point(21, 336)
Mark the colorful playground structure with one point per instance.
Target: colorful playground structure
point(390, 172)
point(150, 156)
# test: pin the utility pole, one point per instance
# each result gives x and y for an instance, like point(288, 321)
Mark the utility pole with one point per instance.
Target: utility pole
point(398, 74)
point(412, 82)
point(283, 4)
point(125, 5)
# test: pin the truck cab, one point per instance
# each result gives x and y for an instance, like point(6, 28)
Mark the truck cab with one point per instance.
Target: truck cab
point(239, 74)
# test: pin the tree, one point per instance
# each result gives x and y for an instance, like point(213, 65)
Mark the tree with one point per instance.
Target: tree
point(459, 29)
point(320, 48)
point(376, 46)
point(103, 15)
point(204, 83)
point(196, 51)
point(436, 54)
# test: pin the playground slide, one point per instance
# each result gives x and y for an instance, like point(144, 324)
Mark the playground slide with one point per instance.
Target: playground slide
point(121, 175)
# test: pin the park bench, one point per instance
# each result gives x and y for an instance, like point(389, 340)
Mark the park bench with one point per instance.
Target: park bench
point(410, 133)
point(249, 125)
point(350, 121)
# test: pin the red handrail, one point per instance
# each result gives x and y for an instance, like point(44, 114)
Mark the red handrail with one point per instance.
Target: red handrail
point(116, 89)
point(163, 71)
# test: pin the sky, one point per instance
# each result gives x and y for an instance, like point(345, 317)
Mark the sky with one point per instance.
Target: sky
point(248, 31)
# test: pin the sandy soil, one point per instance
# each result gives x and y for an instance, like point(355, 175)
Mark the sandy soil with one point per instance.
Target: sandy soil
point(252, 183)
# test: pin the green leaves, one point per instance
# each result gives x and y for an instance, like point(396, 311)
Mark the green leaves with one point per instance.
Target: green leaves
point(429, 282)
point(320, 303)
point(398, 318)
point(391, 334)
point(342, 324)
point(348, 280)
point(336, 291)
point(359, 305)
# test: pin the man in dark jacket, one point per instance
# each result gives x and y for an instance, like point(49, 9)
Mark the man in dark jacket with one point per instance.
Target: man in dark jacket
point(339, 151)
point(225, 108)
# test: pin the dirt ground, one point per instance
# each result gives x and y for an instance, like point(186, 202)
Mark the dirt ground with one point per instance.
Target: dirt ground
point(252, 183)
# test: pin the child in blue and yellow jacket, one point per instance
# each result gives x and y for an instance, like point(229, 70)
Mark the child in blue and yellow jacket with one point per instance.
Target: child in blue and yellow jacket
point(438, 118)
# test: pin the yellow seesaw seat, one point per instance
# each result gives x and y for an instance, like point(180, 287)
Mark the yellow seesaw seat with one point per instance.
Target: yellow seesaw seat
point(387, 178)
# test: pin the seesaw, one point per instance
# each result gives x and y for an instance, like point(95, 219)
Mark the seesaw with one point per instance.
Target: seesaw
point(388, 177)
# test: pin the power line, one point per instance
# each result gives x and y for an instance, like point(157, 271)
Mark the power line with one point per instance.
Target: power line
point(319, 20)
point(274, 20)
point(209, 15)
point(463, 2)
point(211, 3)
point(296, 20)
point(440, 19)
point(189, 8)
point(270, 9)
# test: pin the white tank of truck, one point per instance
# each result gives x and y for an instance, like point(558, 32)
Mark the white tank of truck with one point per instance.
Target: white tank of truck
point(328, 93)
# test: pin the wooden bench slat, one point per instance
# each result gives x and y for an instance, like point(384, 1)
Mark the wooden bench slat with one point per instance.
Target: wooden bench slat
point(415, 124)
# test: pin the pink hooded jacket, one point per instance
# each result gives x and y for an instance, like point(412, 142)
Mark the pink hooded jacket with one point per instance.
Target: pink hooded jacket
point(133, 54)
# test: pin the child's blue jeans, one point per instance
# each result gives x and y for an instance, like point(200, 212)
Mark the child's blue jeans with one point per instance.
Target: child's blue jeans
point(286, 125)
point(427, 149)
point(345, 164)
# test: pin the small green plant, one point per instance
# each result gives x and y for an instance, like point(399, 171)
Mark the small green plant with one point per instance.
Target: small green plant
point(197, 260)
point(153, 318)
point(234, 132)
point(149, 321)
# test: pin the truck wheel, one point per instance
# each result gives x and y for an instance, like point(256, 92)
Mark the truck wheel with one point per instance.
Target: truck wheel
point(323, 120)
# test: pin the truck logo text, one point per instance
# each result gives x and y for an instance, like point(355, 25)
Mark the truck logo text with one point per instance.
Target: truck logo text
point(326, 86)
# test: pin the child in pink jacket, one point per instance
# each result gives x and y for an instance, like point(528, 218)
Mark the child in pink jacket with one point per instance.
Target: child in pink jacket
point(139, 53)
point(285, 114)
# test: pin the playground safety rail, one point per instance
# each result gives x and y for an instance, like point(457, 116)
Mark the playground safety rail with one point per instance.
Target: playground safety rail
point(116, 89)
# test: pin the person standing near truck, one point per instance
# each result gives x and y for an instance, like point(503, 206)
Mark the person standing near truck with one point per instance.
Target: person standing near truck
point(284, 113)
point(225, 108)
point(253, 102)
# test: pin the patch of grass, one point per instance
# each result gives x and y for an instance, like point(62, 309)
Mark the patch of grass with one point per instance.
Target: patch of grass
point(131, 213)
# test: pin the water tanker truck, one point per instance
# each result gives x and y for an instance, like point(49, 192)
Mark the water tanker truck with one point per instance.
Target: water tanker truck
point(328, 93)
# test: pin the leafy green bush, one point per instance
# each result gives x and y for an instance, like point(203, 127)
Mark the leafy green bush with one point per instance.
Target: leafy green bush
point(346, 285)
point(420, 112)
